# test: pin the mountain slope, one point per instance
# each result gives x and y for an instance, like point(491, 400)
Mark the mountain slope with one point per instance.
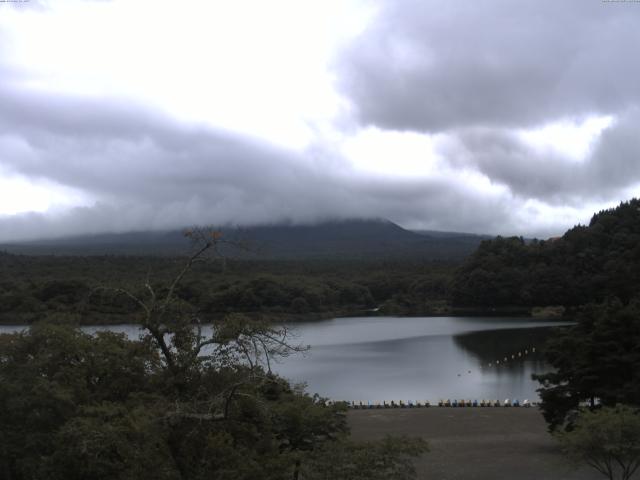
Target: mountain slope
point(342, 239)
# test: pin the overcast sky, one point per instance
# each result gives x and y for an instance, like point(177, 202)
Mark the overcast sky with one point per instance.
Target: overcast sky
point(487, 116)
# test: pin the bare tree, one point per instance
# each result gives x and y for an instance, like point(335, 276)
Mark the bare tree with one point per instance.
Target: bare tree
point(185, 344)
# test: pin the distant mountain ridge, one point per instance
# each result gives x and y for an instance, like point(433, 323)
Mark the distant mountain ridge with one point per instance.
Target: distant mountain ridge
point(441, 234)
point(331, 239)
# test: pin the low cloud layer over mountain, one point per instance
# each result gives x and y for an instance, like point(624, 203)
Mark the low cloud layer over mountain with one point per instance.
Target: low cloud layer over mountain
point(489, 116)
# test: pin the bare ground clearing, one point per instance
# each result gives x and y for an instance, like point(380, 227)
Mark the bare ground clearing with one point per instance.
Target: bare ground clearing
point(474, 443)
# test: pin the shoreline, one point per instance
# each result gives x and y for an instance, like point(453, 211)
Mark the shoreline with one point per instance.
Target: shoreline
point(292, 318)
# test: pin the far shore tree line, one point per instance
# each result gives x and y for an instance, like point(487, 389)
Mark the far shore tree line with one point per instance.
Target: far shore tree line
point(33, 287)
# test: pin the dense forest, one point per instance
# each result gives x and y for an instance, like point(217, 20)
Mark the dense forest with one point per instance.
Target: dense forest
point(36, 287)
point(587, 264)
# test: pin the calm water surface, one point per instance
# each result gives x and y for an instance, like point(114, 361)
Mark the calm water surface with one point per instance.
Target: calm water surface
point(390, 358)
point(393, 358)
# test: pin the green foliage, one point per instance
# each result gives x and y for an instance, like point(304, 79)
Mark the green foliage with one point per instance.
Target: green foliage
point(598, 358)
point(588, 264)
point(391, 458)
point(74, 405)
point(175, 404)
point(607, 439)
point(111, 440)
point(51, 378)
point(78, 287)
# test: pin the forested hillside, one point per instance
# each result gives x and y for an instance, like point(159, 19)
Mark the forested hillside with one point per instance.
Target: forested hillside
point(587, 264)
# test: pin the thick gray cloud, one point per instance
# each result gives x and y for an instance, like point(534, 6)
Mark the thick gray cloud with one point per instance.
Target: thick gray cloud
point(477, 73)
point(148, 171)
point(615, 161)
point(612, 165)
point(482, 71)
point(506, 159)
point(433, 65)
point(130, 153)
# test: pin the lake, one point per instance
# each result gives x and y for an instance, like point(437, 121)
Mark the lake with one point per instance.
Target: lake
point(390, 358)
point(416, 358)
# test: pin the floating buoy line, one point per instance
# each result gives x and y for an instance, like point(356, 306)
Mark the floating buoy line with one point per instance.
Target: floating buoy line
point(508, 358)
point(505, 360)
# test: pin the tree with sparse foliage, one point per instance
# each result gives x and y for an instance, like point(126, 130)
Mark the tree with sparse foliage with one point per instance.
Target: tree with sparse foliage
point(185, 401)
point(607, 439)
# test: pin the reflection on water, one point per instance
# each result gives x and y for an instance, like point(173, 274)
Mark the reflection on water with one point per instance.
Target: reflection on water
point(390, 358)
point(387, 358)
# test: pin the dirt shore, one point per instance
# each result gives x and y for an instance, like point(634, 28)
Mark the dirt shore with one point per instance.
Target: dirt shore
point(474, 443)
